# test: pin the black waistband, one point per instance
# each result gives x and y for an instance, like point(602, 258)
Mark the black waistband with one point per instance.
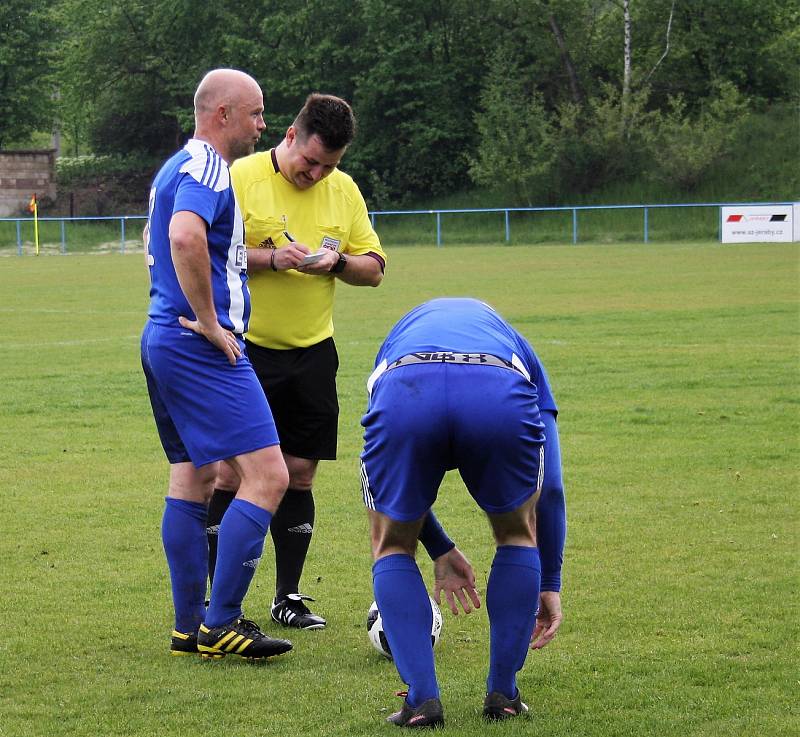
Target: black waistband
point(474, 359)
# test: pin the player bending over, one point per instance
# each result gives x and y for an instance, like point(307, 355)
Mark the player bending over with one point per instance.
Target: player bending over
point(455, 386)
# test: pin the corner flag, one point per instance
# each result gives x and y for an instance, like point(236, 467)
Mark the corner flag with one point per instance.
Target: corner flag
point(34, 208)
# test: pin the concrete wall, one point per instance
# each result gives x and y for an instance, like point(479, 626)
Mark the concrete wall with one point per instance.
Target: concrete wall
point(21, 174)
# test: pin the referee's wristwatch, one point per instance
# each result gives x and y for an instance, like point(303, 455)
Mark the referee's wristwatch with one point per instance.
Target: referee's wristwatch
point(338, 267)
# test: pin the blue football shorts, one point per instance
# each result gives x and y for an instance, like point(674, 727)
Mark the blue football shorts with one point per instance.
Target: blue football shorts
point(426, 419)
point(205, 409)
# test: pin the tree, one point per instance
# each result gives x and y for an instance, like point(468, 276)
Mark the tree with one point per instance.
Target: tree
point(136, 66)
point(418, 73)
point(686, 147)
point(27, 47)
point(578, 92)
point(756, 46)
point(415, 95)
point(516, 147)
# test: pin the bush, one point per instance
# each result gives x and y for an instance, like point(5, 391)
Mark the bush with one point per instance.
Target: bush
point(103, 184)
point(604, 142)
point(685, 149)
point(518, 140)
point(77, 171)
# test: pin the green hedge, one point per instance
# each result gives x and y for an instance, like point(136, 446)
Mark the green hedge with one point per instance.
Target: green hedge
point(74, 171)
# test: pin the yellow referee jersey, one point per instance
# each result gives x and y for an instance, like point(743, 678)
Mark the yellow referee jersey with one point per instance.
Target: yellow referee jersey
point(290, 309)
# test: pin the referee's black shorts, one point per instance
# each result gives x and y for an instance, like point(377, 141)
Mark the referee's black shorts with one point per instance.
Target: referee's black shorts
point(300, 384)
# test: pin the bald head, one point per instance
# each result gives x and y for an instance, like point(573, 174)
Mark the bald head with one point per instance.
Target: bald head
point(228, 109)
point(222, 87)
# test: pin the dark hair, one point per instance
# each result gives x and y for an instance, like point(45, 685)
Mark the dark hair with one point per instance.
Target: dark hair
point(329, 117)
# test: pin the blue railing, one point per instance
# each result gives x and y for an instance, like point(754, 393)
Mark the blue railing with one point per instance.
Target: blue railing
point(121, 219)
point(125, 220)
point(574, 209)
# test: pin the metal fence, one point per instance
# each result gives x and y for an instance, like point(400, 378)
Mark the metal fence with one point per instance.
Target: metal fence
point(122, 226)
point(572, 211)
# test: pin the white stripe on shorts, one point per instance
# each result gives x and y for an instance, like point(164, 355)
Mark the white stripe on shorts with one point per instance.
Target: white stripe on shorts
point(369, 502)
point(540, 479)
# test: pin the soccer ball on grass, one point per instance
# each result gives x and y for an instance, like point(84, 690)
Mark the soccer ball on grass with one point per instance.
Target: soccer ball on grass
point(378, 637)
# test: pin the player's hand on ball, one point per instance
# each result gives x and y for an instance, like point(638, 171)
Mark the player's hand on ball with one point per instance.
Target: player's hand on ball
point(453, 574)
point(548, 620)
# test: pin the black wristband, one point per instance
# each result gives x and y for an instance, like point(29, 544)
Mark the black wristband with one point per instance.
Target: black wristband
point(272, 260)
point(338, 267)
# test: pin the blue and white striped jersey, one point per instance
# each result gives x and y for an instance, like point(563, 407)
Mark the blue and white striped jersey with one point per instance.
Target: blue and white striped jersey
point(196, 179)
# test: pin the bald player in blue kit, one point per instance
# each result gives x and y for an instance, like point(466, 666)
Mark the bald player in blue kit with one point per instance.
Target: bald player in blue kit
point(206, 400)
point(455, 386)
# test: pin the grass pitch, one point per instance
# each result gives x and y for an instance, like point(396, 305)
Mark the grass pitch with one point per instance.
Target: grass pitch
point(676, 371)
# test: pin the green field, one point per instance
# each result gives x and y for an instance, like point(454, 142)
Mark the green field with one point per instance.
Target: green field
point(676, 368)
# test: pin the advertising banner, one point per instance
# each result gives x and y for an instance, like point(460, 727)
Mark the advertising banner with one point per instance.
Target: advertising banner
point(797, 221)
point(757, 224)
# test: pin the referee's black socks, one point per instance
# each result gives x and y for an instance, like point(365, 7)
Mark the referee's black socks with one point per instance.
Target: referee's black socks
point(291, 528)
point(220, 501)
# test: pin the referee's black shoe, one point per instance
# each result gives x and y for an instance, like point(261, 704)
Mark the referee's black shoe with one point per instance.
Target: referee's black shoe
point(290, 611)
point(241, 637)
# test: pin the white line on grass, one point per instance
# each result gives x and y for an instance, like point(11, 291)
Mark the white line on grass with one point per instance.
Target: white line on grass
point(60, 311)
point(60, 343)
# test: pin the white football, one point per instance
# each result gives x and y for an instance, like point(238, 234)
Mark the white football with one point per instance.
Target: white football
point(378, 637)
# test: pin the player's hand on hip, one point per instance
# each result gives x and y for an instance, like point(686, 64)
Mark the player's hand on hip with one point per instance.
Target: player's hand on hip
point(454, 575)
point(223, 339)
point(548, 620)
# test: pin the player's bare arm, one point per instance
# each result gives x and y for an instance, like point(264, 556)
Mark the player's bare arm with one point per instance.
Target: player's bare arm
point(548, 620)
point(189, 247)
point(453, 575)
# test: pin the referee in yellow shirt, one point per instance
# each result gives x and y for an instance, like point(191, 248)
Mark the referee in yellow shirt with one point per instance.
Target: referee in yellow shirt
point(306, 227)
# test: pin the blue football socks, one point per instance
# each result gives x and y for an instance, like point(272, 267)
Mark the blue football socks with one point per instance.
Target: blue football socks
point(183, 532)
point(407, 619)
point(240, 544)
point(512, 597)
